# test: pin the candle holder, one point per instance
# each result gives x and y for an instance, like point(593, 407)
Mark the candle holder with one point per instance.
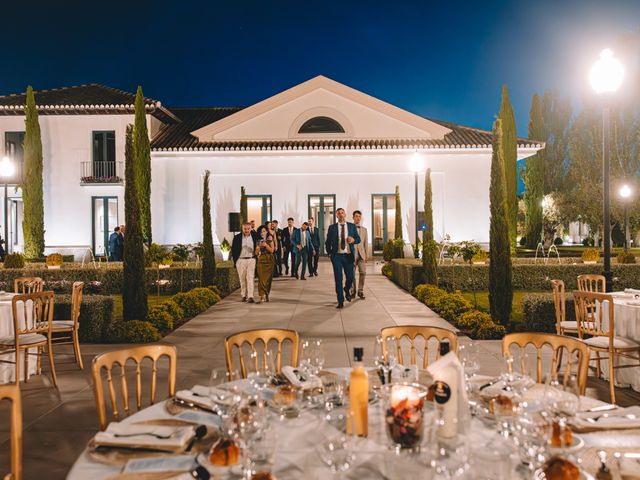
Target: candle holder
point(403, 405)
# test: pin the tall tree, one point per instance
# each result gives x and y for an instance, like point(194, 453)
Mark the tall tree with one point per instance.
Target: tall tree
point(142, 153)
point(208, 273)
point(243, 206)
point(429, 247)
point(32, 189)
point(500, 275)
point(510, 156)
point(134, 291)
point(398, 224)
point(534, 178)
point(556, 123)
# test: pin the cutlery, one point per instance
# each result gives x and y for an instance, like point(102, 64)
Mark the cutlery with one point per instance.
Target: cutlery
point(602, 408)
point(151, 434)
point(185, 403)
point(201, 432)
point(489, 384)
point(630, 416)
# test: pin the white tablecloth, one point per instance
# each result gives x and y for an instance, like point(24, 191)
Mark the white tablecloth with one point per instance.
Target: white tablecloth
point(7, 370)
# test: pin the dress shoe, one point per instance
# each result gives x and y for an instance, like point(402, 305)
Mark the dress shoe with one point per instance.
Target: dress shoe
point(315, 274)
point(302, 278)
point(361, 295)
point(340, 305)
point(347, 295)
point(297, 276)
point(244, 299)
point(251, 300)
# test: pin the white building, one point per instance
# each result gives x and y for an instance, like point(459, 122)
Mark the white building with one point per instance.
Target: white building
point(303, 152)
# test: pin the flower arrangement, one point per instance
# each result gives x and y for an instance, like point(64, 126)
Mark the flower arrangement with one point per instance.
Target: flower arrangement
point(225, 248)
point(591, 255)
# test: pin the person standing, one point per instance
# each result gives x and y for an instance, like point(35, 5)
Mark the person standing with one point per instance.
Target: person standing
point(277, 233)
point(120, 246)
point(340, 246)
point(113, 245)
point(303, 248)
point(361, 255)
point(315, 240)
point(287, 235)
point(265, 261)
point(243, 253)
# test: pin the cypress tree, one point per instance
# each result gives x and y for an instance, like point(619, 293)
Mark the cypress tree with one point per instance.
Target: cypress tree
point(398, 225)
point(142, 153)
point(208, 258)
point(500, 282)
point(510, 157)
point(429, 248)
point(32, 189)
point(534, 178)
point(134, 292)
point(243, 206)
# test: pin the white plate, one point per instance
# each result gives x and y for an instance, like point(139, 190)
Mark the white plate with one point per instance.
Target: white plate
point(578, 443)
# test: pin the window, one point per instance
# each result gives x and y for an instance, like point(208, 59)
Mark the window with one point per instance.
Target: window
point(104, 146)
point(321, 125)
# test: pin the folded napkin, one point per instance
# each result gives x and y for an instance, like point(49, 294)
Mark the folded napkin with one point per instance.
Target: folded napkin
point(173, 463)
point(134, 435)
point(619, 418)
point(633, 303)
point(632, 291)
point(298, 379)
point(201, 396)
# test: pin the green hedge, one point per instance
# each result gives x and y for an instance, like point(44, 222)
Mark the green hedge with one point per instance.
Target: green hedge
point(408, 273)
point(96, 316)
point(107, 280)
point(540, 313)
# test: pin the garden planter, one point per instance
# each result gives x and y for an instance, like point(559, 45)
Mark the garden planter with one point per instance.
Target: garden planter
point(163, 266)
point(589, 262)
point(53, 267)
point(479, 263)
point(225, 256)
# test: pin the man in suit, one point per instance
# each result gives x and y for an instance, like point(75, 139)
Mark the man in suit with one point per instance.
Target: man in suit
point(361, 255)
point(342, 237)
point(114, 240)
point(287, 234)
point(244, 252)
point(303, 248)
point(277, 268)
point(315, 240)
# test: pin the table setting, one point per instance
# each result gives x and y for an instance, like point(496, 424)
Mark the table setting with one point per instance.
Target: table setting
point(445, 421)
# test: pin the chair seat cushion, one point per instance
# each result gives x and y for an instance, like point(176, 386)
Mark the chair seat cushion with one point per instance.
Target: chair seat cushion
point(618, 342)
point(563, 325)
point(25, 339)
point(62, 324)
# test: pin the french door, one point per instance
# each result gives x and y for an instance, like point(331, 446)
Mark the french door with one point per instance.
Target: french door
point(383, 210)
point(259, 209)
point(322, 208)
point(104, 215)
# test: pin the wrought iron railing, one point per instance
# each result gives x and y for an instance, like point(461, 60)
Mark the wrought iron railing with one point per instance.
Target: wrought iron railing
point(101, 172)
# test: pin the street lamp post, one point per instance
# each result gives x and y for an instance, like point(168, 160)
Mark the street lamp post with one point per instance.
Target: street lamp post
point(606, 76)
point(625, 193)
point(7, 170)
point(416, 166)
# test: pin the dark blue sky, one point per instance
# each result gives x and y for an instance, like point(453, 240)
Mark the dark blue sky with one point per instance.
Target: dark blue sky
point(445, 60)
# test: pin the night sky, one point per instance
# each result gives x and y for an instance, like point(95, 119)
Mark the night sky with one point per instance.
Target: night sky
point(444, 60)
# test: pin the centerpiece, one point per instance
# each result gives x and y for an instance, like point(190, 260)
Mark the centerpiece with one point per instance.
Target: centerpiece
point(404, 416)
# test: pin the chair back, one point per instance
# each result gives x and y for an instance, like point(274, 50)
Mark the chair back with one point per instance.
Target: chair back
point(265, 337)
point(32, 313)
point(28, 285)
point(414, 331)
point(12, 394)
point(76, 301)
point(107, 361)
point(592, 282)
point(578, 354)
point(590, 314)
point(559, 303)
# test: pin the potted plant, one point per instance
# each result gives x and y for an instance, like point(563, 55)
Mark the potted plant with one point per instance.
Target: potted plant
point(225, 248)
point(54, 261)
point(166, 261)
point(480, 258)
point(590, 255)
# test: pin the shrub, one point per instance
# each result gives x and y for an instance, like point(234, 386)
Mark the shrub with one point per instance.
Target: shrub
point(160, 317)
point(139, 331)
point(176, 312)
point(558, 241)
point(479, 325)
point(191, 304)
point(387, 270)
point(54, 260)
point(14, 260)
point(96, 316)
point(480, 257)
point(540, 313)
point(207, 296)
point(626, 257)
point(181, 252)
point(215, 290)
point(590, 255)
point(425, 290)
point(393, 249)
point(154, 255)
point(450, 306)
point(588, 242)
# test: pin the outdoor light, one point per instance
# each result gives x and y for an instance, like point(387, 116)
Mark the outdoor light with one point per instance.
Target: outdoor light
point(607, 73)
point(416, 163)
point(7, 168)
point(625, 191)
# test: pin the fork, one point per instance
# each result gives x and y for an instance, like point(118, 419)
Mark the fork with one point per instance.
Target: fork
point(159, 437)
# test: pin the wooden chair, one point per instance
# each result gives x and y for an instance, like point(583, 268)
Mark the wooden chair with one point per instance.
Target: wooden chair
point(265, 336)
point(32, 321)
point(12, 393)
point(595, 315)
point(28, 285)
point(558, 343)
point(562, 325)
point(120, 357)
point(71, 327)
point(414, 331)
point(592, 283)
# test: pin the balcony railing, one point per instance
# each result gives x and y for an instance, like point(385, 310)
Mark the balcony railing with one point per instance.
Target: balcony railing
point(101, 173)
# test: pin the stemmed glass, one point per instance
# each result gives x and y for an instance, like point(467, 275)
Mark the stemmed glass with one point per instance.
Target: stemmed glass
point(221, 392)
point(263, 371)
point(336, 449)
point(385, 358)
point(312, 358)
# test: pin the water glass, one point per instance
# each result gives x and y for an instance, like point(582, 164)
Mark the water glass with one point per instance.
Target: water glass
point(221, 392)
point(260, 451)
point(312, 357)
point(336, 448)
point(492, 461)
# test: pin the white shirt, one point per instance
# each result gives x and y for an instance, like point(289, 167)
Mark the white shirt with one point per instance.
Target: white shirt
point(346, 235)
point(247, 247)
point(303, 238)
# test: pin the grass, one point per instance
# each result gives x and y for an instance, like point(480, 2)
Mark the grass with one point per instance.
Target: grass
point(151, 301)
point(482, 298)
point(572, 251)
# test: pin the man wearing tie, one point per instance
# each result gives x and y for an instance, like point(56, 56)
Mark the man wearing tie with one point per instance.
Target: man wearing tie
point(315, 240)
point(287, 250)
point(342, 237)
point(361, 255)
point(303, 249)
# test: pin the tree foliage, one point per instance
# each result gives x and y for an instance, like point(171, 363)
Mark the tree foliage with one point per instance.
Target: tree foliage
point(32, 188)
point(556, 123)
point(243, 206)
point(429, 247)
point(208, 258)
point(398, 224)
point(510, 156)
point(534, 178)
point(142, 153)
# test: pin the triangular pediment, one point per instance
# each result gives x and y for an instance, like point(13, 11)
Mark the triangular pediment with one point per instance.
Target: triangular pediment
point(282, 116)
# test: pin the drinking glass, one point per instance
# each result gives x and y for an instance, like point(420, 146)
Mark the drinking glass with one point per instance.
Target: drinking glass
point(260, 451)
point(263, 371)
point(468, 354)
point(336, 449)
point(312, 357)
point(530, 436)
point(222, 393)
point(380, 360)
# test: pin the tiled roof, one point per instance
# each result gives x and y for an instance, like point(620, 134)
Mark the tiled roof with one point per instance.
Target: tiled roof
point(177, 137)
point(82, 99)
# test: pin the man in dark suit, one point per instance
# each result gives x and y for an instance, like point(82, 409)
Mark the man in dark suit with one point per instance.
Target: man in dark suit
point(303, 248)
point(287, 235)
point(244, 252)
point(277, 268)
point(315, 240)
point(342, 237)
point(114, 240)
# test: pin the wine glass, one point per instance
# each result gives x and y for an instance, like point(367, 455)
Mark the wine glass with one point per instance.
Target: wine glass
point(468, 354)
point(222, 392)
point(312, 358)
point(263, 371)
point(380, 359)
point(336, 449)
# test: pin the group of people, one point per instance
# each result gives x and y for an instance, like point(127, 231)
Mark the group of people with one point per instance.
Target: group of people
point(116, 244)
point(268, 249)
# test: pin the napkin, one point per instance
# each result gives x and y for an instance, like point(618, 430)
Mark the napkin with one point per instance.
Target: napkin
point(633, 303)
point(620, 418)
point(137, 435)
point(632, 291)
point(201, 396)
point(173, 463)
point(439, 371)
point(299, 379)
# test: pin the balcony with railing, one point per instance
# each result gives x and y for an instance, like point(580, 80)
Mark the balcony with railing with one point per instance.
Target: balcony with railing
point(102, 173)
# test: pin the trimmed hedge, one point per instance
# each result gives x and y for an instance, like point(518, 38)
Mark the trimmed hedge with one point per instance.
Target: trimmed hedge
point(96, 316)
point(540, 313)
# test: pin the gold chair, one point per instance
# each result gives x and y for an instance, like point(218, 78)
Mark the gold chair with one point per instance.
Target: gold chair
point(12, 393)
point(558, 343)
point(600, 328)
point(414, 331)
point(562, 325)
point(264, 336)
point(28, 285)
point(71, 327)
point(120, 357)
point(592, 283)
point(32, 321)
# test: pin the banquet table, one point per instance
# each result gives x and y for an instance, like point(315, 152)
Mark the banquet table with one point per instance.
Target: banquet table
point(296, 452)
point(7, 370)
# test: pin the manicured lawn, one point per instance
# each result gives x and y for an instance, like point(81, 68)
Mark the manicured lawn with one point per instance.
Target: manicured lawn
point(151, 301)
point(482, 298)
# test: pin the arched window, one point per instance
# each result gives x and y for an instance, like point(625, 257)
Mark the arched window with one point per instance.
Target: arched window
point(321, 125)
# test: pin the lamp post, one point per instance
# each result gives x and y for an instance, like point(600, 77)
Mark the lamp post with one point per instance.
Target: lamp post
point(606, 76)
point(7, 169)
point(625, 193)
point(417, 166)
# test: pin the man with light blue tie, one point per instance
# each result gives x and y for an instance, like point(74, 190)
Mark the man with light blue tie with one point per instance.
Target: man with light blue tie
point(342, 237)
point(303, 248)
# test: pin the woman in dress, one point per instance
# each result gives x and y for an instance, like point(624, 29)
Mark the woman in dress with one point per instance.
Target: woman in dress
point(265, 250)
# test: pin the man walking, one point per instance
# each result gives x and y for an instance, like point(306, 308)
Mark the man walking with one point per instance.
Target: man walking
point(303, 249)
point(361, 255)
point(277, 268)
point(340, 246)
point(113, 245)
point(315, 240)
point(287, 235)
point(244, 252)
